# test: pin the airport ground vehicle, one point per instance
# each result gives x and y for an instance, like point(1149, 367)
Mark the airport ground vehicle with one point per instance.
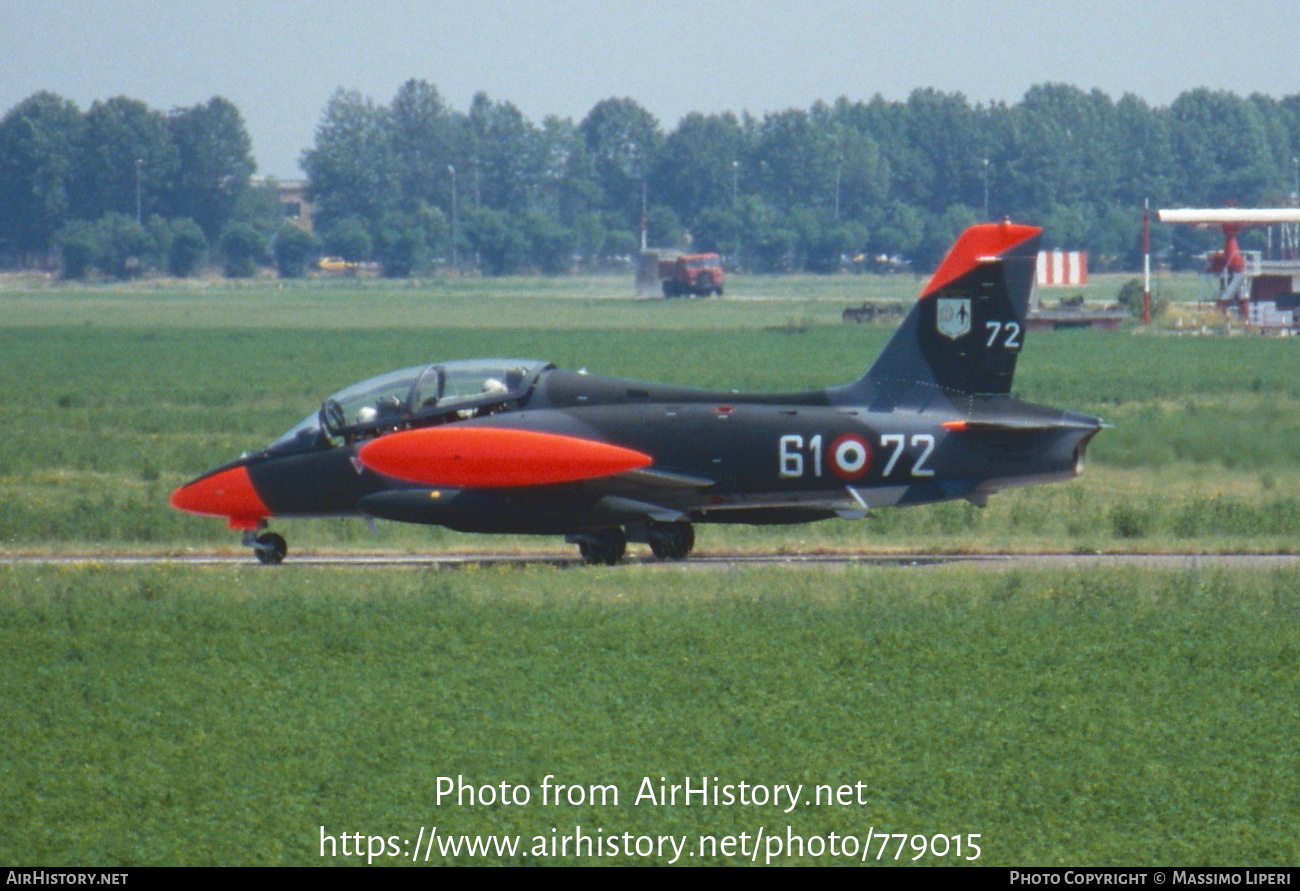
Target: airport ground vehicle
point(697, 275)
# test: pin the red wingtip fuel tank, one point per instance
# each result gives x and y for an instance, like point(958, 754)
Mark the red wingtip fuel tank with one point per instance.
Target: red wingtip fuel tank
point(977, 242)
point(228, 493)
point(494, 457)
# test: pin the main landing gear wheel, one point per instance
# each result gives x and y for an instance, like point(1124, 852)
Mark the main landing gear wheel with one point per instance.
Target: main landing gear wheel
point(269, 547)
point(671, 541)
point(603, 546)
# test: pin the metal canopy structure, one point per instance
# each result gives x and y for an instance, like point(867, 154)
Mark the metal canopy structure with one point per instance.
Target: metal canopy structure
point(1242, 216)
point(1263, 291)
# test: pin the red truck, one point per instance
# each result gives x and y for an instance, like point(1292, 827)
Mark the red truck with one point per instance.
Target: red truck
point(697, 274)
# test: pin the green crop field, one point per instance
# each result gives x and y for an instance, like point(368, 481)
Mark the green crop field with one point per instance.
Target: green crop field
point(114, 395)
point(226, 715)
point(201, 715)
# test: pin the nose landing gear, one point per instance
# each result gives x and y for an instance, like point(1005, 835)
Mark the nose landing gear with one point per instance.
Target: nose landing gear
point(268, 547)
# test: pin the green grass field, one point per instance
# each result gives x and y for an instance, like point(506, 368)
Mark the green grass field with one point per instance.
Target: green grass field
point(114, 395)
point(196, 715)
point(224, 716)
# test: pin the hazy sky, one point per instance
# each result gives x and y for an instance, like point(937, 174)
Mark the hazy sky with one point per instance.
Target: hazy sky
point(279, 61)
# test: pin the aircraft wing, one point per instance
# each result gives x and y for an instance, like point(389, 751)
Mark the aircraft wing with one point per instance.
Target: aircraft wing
point(663, 479)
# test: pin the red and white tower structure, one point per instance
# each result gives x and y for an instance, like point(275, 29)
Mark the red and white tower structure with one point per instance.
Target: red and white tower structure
point(1265, 291)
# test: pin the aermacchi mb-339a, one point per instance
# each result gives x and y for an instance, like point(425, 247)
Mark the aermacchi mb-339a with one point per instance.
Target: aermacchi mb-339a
point(520, 446)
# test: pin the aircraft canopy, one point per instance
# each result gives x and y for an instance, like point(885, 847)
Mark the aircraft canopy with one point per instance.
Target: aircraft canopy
point(406, 397)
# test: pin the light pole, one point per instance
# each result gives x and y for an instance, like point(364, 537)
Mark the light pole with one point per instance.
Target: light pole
point(139, 211)
point(645, 220)
point(455, 229)
point(735, 180)
point(1146, 261)
point(839, 162)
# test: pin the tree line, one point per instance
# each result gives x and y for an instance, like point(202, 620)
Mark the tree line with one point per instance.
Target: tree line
point(416, 184)
point(124, 188)
point(796, 189)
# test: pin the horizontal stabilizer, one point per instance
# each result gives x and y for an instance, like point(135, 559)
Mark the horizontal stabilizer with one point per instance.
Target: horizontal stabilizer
point(1014, 425)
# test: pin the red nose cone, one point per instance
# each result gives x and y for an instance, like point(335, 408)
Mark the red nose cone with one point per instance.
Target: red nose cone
point(491, 457)
point(229, 494)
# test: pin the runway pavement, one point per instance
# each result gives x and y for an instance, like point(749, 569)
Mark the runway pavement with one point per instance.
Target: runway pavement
point(701, 562)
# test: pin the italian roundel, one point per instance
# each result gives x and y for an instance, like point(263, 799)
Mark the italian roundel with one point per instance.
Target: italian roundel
point(850, 457)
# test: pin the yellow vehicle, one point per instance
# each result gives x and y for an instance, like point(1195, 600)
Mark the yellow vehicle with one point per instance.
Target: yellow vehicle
point(337, 264)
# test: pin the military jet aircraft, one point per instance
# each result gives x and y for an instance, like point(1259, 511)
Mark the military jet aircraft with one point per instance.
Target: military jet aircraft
point(520, 446)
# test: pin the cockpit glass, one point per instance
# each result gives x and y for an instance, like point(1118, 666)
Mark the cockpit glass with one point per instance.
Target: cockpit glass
point(387, 393)
point(399, 397)
point(471, 379)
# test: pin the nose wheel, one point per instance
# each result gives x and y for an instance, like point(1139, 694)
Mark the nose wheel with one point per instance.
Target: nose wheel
point(268, 547)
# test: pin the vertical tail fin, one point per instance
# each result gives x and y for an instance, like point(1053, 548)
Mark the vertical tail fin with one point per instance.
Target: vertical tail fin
point(964, 333)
